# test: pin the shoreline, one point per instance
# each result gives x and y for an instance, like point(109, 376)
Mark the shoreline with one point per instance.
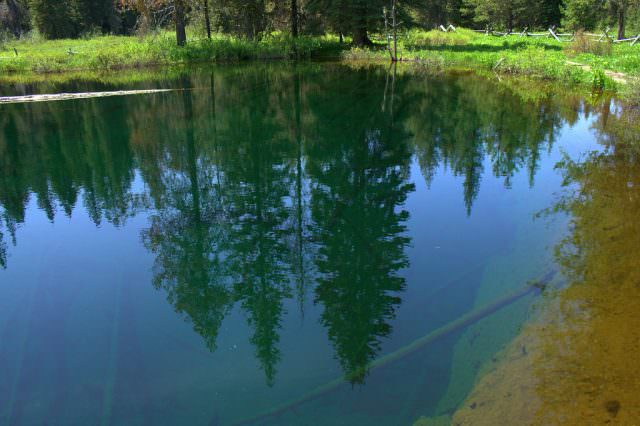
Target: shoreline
point(572, 364)
point(543, 376)
point(539, 59)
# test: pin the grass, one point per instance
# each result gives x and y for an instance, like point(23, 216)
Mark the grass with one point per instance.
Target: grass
point(625, 58)
point(541, 58)
point(118, 52)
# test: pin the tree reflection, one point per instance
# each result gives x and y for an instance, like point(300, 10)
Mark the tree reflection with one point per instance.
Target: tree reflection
point(605, 240)
point(461, 124)
point(257, 181)
point(578, 361)
point(188, 233)
point(221, 230)
point(3, 243)
point(272, 184)
point(360, 181)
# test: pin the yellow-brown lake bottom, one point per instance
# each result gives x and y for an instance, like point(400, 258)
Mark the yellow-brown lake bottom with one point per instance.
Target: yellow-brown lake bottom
point(573, 366)
point(576, 361)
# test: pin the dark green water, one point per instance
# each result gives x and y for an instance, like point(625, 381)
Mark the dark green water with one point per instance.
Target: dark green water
point(203, 255)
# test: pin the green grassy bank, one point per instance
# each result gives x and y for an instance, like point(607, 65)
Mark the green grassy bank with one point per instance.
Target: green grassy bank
point(118, 52)
point(543, 58)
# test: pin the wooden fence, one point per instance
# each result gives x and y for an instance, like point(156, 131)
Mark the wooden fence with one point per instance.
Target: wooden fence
point(551, 33)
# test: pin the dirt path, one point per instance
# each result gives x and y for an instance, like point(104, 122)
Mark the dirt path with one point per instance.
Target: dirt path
point(618, 77)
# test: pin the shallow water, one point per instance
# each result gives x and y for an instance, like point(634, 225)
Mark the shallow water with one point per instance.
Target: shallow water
point(205, 255)
point(575, 362)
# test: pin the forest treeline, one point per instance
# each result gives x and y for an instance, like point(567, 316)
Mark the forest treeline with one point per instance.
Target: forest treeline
point(355, 19)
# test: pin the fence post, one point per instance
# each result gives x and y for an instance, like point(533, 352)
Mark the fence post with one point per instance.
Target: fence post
point(553, 34)
point(606, 34)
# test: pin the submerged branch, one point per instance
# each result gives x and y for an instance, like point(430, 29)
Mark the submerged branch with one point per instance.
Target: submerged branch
point(462, 322)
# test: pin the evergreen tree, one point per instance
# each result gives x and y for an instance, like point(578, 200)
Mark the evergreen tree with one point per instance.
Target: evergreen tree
point(495, 12)
point(512, 14)
point(14, 16)
point(355, 17)
point(583, 14)
point(180, 20)
point(56, 19)
point(68, 19)
point(619, 10)
point(98, 15)
point(590, 14)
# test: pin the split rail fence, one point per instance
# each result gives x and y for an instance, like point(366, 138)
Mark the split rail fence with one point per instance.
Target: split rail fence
point(551, 33)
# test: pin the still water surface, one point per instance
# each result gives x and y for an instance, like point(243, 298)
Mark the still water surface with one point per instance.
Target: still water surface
point(204, 255)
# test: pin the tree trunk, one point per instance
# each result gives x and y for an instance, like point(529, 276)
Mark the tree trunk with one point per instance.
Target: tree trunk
point(181, 34)
point(361, 37)
point(294, 18)
point(360, 33)
point(621, 18)
point(299, 194)
point(395, 31)
point(207, 19)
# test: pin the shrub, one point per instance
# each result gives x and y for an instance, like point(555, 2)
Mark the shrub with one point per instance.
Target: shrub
point(599, 79)
point(632, 92)
point(418, 38)
point(4, 37)
point(585, 44)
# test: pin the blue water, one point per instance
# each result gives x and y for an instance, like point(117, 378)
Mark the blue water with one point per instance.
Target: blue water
point(205, 255)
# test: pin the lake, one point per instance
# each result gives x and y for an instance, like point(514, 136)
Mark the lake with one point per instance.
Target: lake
point(313, 244)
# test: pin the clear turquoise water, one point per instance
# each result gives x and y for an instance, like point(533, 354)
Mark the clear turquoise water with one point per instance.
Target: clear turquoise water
point(202, 256)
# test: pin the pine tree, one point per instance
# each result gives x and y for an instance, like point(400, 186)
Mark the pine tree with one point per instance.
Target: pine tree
point(97, 15)
point(356, 17)
point(56, 19)
point(180, 20)
point(590, 14)
point(69, 18)
point(14, 16)
point(583, 14)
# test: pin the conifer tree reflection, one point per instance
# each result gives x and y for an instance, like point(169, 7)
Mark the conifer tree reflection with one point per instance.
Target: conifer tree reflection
point(600, 303)
point(359, 183)
point(188, 233)
point(301, 250)
point(13, 186)
point(461, 124)
point(602, 201)
point(227, 190)
point(241, 180)
point(108, 172)
point(3, 243)
point(14, 180)
point(60, 154)
point(257, 181)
